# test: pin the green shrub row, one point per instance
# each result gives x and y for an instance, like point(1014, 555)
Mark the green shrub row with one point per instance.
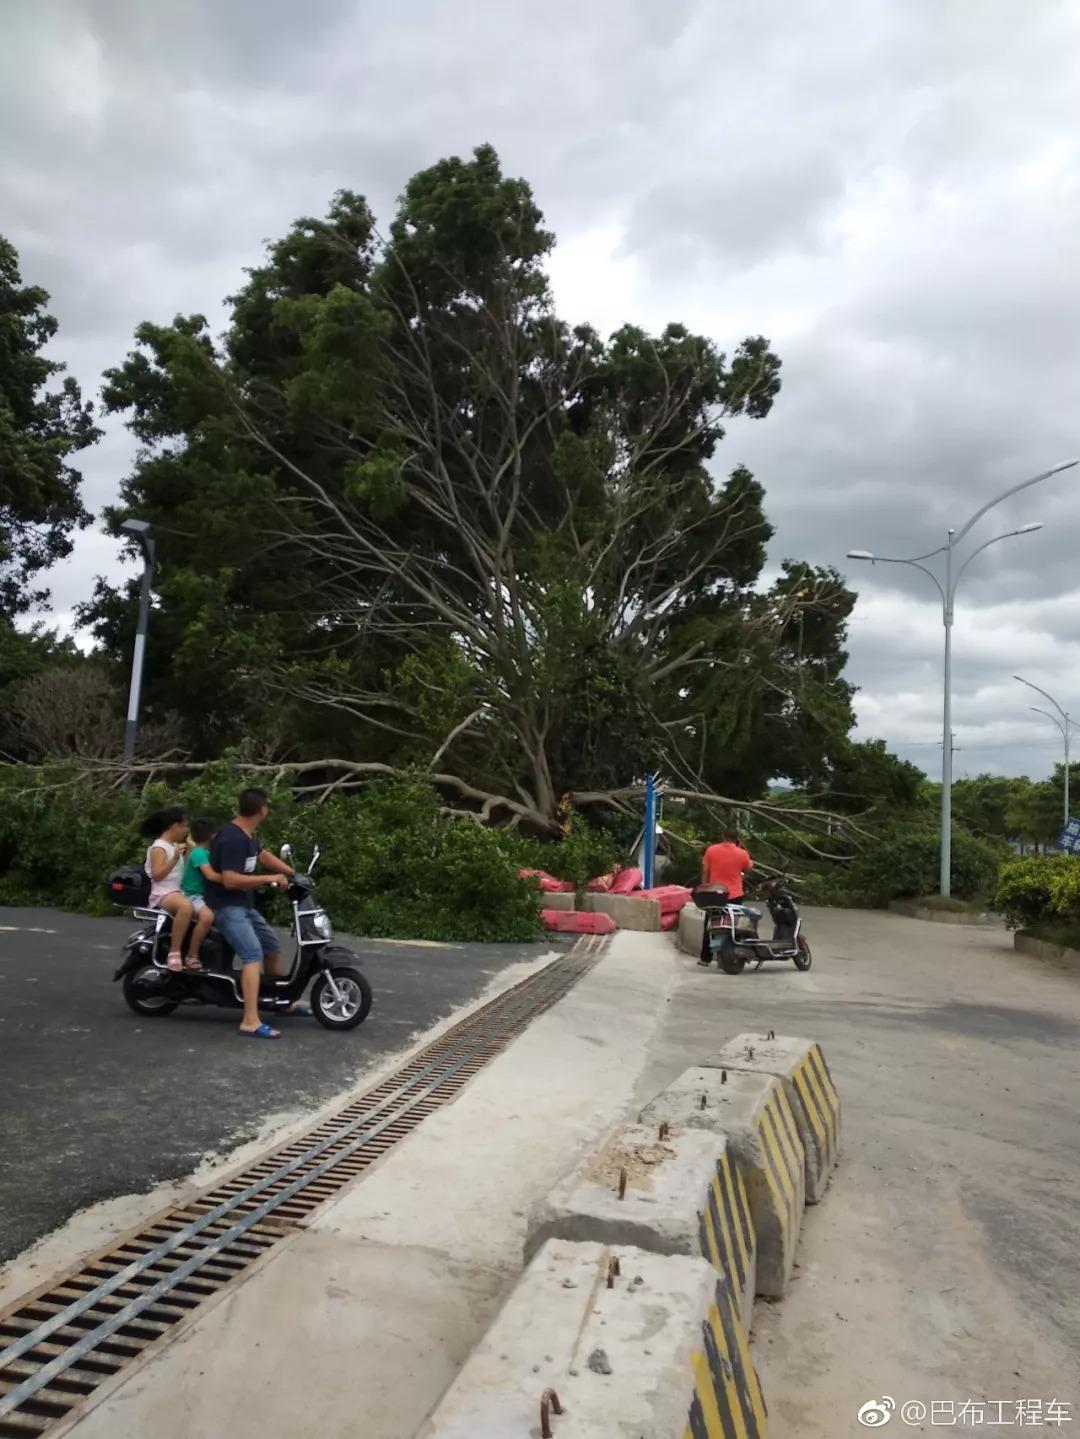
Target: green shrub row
point(905, 865)
point(392, 865)
point(1041, 889)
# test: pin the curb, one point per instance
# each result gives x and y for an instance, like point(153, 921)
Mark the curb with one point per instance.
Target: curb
point(653, 1347)
point(910, 910)
point(800, 1066)
point(665, 1193)
point(753, 1112)
point(1043, 949)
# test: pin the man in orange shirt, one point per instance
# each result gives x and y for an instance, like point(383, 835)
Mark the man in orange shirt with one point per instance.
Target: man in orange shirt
point(726, 863)
point(723, 864)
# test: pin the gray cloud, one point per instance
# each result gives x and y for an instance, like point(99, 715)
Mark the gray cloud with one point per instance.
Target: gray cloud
point(890, 189)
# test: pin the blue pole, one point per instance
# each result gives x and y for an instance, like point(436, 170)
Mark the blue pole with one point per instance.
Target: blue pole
point(649, 858)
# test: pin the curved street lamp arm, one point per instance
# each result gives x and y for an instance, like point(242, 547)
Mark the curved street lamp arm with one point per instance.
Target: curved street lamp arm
point(1042, 692)
point(1015, 490)
point(1061, 728)
point(888, 560)
point(974, 555)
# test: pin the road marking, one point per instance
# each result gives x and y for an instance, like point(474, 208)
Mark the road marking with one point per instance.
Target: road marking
point(23, 929)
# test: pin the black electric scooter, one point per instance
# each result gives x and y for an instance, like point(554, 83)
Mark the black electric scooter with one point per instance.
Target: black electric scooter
point(340, 996)
point(731, 929)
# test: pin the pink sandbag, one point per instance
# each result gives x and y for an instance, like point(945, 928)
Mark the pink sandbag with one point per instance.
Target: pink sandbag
point(672, 897)
point(548, 883)
point(601, 884)
point(626, 880)
point(670, 921)
point(576, 921)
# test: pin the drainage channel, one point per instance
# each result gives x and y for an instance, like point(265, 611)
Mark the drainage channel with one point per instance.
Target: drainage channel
point(62, 1342)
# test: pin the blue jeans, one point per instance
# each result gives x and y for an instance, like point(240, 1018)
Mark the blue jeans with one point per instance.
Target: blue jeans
point(248, 933)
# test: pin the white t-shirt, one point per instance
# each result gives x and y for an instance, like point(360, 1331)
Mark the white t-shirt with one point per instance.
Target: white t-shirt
point(159, 888)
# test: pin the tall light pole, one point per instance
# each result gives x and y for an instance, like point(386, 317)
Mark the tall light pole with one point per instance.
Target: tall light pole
point(947, 591)
point(1063, 725)
point(144, 534)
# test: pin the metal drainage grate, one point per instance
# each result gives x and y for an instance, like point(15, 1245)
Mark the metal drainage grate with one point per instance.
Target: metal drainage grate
point(64, 1340)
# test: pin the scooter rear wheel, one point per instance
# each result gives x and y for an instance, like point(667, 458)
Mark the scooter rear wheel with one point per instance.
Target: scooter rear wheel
point(731, 961)
point(803, 958)
point(146, 992)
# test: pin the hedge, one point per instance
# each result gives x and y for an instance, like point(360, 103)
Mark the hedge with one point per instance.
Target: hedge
point(392, 864)
point(1039, 889)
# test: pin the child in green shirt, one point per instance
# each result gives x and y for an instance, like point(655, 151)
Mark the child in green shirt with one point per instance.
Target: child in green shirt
point(197, 871)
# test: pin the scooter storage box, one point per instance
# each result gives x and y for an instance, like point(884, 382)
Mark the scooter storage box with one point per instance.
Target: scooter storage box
point(128, 887)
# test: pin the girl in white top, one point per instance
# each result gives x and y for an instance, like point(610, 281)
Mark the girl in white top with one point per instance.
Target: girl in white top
point(165, 865)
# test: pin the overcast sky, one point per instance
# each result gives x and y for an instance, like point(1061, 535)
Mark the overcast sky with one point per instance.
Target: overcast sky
point(888, 189)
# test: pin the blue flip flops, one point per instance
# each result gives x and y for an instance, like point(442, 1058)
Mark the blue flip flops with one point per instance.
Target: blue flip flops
point(263, 1032)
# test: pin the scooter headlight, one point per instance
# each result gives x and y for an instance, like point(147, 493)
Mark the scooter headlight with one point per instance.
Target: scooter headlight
point(317, 925)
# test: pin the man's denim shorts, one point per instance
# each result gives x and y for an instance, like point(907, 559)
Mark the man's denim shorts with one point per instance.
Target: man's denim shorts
point(248, 933)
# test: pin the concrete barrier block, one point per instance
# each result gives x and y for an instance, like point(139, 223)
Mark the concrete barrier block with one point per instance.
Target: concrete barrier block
point(564, 902)
point(691, 929)
point(626, 911)
point(801, 1068)
point(659, 1354)
point(753, 1112)
point(684, 1194)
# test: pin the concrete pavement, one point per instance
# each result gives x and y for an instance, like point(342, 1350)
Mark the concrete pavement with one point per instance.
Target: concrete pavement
point(943, 1263)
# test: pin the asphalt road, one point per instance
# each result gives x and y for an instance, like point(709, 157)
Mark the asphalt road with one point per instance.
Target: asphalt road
point(96, 1102)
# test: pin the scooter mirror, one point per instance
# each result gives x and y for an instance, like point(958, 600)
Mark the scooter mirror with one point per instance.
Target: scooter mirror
point(314, 858)
point(286, 852)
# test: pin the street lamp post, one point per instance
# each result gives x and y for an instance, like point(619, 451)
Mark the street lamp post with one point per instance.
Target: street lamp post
point(1063, 725)
point(144, 534)
point(947, 591)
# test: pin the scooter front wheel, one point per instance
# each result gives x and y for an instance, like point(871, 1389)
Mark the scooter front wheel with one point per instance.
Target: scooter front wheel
point(146, 991)
point(349, 1006)
point(802, 956)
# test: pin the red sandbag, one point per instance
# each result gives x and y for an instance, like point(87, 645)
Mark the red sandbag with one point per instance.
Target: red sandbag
point(576, 921)
point(548, 883)
point(626, 881)
point(670, 921)
point(672, 897)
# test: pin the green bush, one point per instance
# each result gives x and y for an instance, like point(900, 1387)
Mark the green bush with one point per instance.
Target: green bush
point(906, 865)
point(392, 864)
point(583, 854)
point(1037, 888)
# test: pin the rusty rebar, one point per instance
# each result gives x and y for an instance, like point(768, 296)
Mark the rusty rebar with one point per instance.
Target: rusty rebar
point(771, 1034)
point(665, 1130)
point(622, 1183)
point(549, 1405)
point(614, 1271)
point(723, 1076)
point(704, 1101)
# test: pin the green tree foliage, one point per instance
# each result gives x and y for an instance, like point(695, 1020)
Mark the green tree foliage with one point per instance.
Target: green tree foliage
point(409, 514)
point(865, 778)
point(41, 427)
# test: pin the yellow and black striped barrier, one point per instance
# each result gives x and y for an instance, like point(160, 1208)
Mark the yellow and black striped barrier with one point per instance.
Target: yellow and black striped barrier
point(753, 1114)
point(801, 1067)
point(728, 1240)
point(727, 1401)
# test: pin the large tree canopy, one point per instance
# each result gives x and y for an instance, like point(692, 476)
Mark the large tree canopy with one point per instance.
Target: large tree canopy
point(40, 428)
point(407, 515)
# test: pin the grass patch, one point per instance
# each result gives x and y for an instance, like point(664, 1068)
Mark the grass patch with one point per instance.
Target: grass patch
point(950, 904)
